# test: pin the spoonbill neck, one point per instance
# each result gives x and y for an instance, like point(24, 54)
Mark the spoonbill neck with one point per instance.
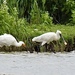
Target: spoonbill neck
point(57, 36)
point(18, 44)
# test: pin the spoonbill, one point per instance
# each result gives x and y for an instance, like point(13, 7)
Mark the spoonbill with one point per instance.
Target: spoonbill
point(8, 40)
point(48, 37)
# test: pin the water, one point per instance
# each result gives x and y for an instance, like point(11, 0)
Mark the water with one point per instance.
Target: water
point(22, 63)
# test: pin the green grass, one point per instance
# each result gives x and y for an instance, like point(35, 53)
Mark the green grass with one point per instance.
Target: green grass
point(35, 30)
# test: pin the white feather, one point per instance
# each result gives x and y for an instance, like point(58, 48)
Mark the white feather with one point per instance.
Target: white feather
point(47, 37)
point(8, 40)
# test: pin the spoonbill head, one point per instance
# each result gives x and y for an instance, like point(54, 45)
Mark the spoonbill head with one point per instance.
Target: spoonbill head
point(21, 43)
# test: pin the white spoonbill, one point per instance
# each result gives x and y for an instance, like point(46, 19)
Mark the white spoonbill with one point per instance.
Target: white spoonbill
point(49, 37)
point(8, 40)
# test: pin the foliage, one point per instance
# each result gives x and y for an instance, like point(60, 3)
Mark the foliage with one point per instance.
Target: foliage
point(11, 23)
point(1, 1)
point(38, 16)
point(46, 19)
point(59, 10)
point(73, 17)
point(35, 14)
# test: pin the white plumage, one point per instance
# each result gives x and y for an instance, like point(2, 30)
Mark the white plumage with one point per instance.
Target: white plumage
point(48, 37)
point(8, 40)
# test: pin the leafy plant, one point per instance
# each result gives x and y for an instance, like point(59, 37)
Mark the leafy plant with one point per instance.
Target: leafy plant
point(46, 19)
point(73, 17)
point(11, 23)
